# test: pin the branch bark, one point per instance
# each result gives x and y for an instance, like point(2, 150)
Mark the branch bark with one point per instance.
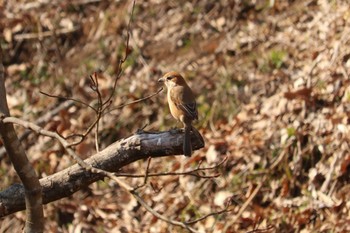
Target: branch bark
point(141, 145)
point(32, 189)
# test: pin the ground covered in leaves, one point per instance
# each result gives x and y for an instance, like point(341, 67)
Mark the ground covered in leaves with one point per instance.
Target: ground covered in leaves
point(273, 92)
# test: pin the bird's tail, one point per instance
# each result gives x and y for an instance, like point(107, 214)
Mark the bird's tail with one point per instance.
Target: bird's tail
point(187, 146)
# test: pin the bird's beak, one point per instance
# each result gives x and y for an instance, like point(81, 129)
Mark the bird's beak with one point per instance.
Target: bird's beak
point(161, 80)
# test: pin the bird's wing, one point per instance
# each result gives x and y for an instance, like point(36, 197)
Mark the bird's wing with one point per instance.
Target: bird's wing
point(190, 109)
point(184, 102)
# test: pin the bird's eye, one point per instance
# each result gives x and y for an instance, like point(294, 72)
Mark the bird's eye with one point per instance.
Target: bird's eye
point(169, 78)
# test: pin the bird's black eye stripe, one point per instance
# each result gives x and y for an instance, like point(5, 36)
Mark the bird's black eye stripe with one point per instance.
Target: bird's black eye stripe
point(169, 77)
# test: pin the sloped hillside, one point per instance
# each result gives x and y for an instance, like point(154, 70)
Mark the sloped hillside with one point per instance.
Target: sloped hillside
point(272, 86)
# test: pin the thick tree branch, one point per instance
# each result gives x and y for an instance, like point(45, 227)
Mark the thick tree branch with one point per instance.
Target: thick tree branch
point(19, 160)
point(141, 145)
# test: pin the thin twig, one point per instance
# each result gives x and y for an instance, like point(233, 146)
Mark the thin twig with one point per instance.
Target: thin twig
point(146, 174)
point(42, 131)
point(244, 206)
point(330, 173)
point(30, 36)
point(68, 98)
point(248, 201)
point(97, 147)
point(208, 215)
point(135, 101)
point(262, 230)
point(41, 120)
point(171, 221)
point(94, 87)
point(160, 216)
point(190, 173)
point(281, 156)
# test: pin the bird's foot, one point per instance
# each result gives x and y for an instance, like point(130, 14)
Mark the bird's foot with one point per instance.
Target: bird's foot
point(175, 130)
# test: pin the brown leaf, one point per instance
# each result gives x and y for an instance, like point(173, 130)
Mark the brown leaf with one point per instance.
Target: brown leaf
point(303, 93)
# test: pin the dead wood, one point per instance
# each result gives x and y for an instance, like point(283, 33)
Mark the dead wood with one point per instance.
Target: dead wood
point(141, 145)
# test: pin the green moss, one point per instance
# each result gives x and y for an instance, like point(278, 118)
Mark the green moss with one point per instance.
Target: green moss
point(291, 131)
point(321, 85)
point(190, 209)
point(277, 58)
point(236, 180)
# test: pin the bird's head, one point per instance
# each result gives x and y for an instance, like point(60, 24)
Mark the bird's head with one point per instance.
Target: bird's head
point(172, 79)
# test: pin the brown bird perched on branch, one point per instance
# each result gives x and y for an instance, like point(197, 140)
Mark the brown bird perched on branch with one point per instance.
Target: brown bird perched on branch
point(182, 105)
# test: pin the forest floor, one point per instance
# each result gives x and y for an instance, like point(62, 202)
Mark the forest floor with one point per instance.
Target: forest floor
point(273, 92)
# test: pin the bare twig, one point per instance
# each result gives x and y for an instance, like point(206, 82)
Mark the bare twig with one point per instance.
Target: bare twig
point(184, 225)
point(97, 147)
point(244, 206)
point(281, 156)
point(188, 173)
point(68, 98)
point(137, 196)
point(267, 229)
point(101, 106)
point(208, 215)
point(41, 120)
point(330, 172)
point(31, 36)
point(43, 3)
point(146, 173)
point(160, 216)
point(47, 133)
point(135, 101)
point(99, 110)
point(193, 172)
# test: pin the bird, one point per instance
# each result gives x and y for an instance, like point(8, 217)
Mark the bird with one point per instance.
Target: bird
point(182, 105)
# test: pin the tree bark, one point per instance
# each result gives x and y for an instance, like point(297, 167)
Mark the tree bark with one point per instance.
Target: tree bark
point(32, 189)
point(68, 181)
